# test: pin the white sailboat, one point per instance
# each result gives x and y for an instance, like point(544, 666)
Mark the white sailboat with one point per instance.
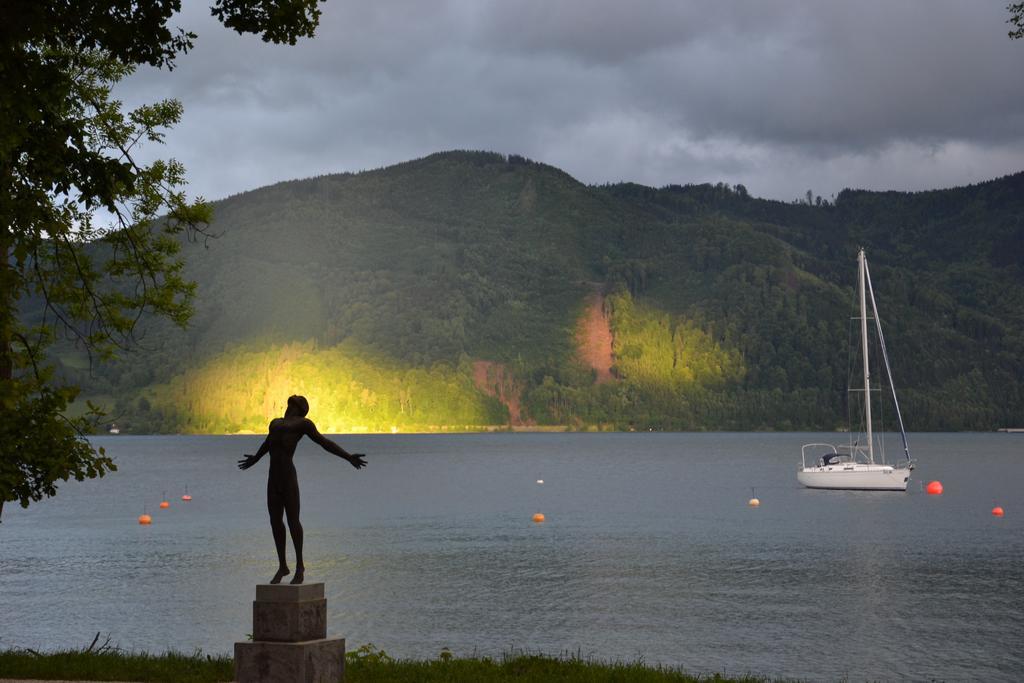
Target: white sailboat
point(853, 467)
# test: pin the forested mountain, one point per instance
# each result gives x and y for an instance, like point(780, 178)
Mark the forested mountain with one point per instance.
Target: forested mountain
point(470, 289)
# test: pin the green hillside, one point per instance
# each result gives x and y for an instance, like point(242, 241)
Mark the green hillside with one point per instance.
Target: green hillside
point(448, 292)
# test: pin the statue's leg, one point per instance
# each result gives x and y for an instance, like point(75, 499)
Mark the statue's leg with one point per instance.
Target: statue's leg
point(291, 508)
point(275, 506)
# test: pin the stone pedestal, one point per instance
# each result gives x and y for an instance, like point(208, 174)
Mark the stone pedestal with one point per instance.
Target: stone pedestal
point(290, 643)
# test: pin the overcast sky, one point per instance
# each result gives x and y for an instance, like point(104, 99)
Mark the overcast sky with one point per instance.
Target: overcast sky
point(780, 96)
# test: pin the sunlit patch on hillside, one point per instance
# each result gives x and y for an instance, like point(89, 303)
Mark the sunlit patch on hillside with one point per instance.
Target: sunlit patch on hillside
point(658, 350)
point(349, 388)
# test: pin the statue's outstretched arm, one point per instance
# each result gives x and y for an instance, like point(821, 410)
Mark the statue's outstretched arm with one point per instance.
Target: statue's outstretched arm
point(250, 460)
point(357, 460)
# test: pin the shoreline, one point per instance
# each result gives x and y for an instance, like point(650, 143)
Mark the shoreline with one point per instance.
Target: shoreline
point(365, 663)
point(541, 429)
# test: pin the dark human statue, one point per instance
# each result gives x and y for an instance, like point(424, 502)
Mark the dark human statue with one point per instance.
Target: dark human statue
point(282, 482)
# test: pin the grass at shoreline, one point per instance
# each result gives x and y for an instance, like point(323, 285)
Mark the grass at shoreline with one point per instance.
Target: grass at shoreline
point(362, 666)
point(79, 665)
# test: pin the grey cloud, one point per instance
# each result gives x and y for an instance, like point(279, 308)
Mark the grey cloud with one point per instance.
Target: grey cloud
point(779, 96)
point(615, 32)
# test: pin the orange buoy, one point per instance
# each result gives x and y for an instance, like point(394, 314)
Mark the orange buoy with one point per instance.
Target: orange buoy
point(754, 502)
point(934, 488)
point(165, 504)
point(539, 517)
point(997, 511)
point(145, 519)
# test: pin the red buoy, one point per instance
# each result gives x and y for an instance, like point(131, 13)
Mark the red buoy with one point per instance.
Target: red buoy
point(934, 488)
point(997, 511)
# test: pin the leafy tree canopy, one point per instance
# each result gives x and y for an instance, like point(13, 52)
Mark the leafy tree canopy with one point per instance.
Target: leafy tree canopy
point(69, 179)
point(1016, 20)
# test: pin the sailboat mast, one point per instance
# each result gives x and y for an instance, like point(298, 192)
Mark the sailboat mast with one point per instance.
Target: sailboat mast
point(864, 349)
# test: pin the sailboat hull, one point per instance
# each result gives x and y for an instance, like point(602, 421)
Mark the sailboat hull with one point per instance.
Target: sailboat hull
point(857, 477)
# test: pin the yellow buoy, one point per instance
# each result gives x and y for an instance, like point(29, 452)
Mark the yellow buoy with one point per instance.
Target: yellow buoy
point(539, 517)
point(753, 502)
point(145, 519)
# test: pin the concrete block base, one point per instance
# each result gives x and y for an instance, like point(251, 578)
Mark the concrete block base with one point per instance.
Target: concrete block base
point(309, 661)
point(289, 621)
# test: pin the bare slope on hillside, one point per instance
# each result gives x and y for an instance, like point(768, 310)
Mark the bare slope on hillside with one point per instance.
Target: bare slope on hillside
point(494, 379)
point(594, 339)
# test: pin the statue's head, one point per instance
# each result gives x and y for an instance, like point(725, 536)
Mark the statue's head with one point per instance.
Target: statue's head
point(298, 406)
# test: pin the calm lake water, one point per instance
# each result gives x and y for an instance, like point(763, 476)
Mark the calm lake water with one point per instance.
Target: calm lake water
point(649, 551)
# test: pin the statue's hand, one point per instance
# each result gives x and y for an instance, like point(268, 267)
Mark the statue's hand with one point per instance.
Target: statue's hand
point(247, 462)
point(358, 460)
